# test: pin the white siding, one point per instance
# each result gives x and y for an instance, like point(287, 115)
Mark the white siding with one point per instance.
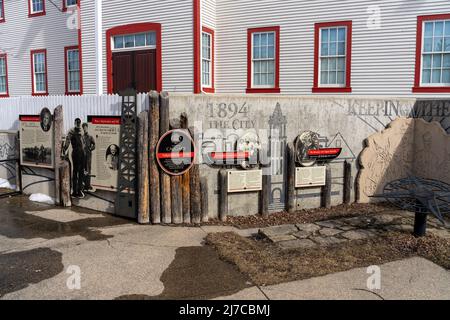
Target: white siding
point(176, 18)
point(20, 34)
point(209, 13)
point(383, 59)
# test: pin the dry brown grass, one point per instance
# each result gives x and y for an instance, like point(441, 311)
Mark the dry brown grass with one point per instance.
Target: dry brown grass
point(267, 264)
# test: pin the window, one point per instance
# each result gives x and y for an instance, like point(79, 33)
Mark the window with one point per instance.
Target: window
point(3, 76)
point(73, 74)
point(39, 72)
point(433, 54)
point(68, 4)
point(2, 11)
point(332, 57)
point(208, 60)
point(263, 60)
point(36, 8)
point(134, 41)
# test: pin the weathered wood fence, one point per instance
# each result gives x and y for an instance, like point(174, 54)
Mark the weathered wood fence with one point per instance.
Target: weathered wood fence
point(162, 198)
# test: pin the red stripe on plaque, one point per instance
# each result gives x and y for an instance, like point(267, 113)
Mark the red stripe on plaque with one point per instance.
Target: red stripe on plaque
point(324, 152)
point(30, 118)
point(229, 155)
point(174, 155)
point(111, 121)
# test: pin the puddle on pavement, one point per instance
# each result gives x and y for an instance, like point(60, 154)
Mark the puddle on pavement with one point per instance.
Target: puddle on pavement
point(20, 269)
point(15, 223)
point(197, 273)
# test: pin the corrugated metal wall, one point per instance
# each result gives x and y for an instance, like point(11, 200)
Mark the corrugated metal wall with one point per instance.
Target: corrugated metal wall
point(383, 59)
point(74, 107)
point(20, 34)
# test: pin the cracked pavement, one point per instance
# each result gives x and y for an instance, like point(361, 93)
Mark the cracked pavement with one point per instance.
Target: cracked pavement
point(119, 259)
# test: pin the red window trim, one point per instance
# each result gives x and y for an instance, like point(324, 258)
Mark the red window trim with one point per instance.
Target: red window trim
point(197, 47)
point(37, 14)
point(65, 7)
point(418, 72)
point(276, 89)
point(348, 68)
point(66, 71)
point(33, 93)
point(5, 95)
point(212, 88)
point(2, 10)
point(130, 29)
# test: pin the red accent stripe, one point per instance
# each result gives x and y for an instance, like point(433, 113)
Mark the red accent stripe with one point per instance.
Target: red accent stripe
point(229, 155)
point(173, 155)
point(106, 121)
point(324, 152)
point(30, 118)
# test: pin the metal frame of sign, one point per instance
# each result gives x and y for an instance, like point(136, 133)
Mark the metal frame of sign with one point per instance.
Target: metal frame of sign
point(186, 132)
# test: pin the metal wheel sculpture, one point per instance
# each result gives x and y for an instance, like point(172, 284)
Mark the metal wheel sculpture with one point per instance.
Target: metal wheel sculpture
point(421, 196)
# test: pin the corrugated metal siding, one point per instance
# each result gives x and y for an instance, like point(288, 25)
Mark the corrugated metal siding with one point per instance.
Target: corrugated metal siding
point(383, 59)
point(20, 34)
point(73, 106)
point(176, 18)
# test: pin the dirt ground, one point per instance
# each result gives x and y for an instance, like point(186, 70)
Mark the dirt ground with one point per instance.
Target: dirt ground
point(304, 216)
point(267, 264)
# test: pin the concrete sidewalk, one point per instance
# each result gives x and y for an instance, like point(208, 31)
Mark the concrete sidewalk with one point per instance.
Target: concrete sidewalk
point(41, 247)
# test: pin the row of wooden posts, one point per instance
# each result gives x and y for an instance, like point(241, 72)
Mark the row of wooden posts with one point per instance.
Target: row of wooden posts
point(163, 198)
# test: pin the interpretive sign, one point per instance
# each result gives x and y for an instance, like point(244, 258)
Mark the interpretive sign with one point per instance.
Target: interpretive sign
point(310, 177)
point(175, 152)
point(244, 181)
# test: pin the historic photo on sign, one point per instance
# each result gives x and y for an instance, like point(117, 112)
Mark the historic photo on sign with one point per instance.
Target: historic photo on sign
point(37, 140)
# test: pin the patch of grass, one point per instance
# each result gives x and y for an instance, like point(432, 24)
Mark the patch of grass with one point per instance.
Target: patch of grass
point(267, 264)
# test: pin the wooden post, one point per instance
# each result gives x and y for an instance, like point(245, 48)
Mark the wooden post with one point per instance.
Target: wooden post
point(223, 196)
point(326, 190)
point(176, 199)
point(204, 200)
point(143, 167)
point(265, 194)
point(347, 182)
point(154, 183)
point(164, 126)
point(196, 208)
point(291, 193)
point(64, 182)
point(58, 123)
point(185, 183)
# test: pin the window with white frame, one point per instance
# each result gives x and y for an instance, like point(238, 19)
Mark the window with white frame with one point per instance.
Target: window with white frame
point(333, 44)
point(207, 63)
point(263, 59)
point(2, 10)
point(36, 6)
point(134, 41)
point(436, 53)
point(39, 72)
point(3, 76)
point(71, 3)
point(73, 70)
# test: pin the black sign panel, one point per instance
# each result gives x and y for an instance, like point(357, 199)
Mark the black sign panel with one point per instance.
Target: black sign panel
point(175, 152)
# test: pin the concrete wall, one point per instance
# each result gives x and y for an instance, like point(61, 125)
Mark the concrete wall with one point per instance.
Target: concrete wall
point(341, 122)
point(8, 153)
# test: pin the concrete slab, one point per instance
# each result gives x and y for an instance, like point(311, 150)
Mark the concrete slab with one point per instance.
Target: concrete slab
point(414, 278)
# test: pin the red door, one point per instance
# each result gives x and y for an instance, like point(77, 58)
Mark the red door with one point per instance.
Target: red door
point(135, 70)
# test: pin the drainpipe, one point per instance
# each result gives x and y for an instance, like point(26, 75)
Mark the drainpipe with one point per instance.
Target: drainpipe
point(98, 47)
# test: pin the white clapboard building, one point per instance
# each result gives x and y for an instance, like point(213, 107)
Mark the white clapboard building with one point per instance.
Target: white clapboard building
point(292, 47)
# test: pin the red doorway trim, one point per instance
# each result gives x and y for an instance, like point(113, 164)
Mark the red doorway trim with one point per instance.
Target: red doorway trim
point(348, 68)
point(130, 29)
point(418, 72)
point(197, 44)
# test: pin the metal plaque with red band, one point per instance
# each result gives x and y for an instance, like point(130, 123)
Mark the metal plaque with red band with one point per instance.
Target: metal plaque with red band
point(324, 154)
point(175, 152)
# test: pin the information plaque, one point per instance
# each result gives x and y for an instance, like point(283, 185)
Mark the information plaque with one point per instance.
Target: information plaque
point(244, 181)
point(310, 177)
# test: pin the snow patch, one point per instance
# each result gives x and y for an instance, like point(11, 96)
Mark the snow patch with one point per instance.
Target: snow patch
point(42, 198)
point(4, 184)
